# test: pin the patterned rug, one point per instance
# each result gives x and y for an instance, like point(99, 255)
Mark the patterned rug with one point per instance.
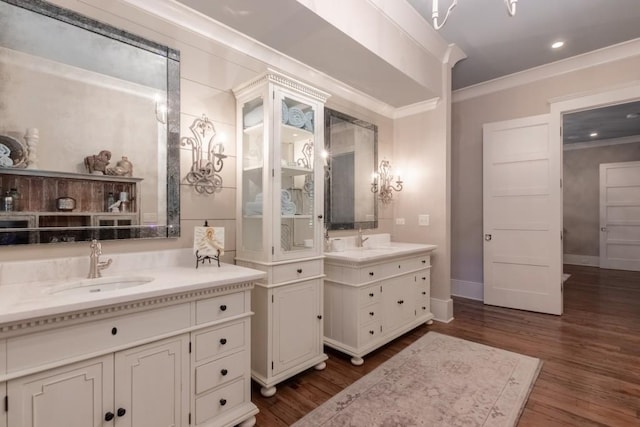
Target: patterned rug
point(437, 381)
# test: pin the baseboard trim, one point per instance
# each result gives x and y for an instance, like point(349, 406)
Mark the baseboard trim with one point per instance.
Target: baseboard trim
point(466, 289)
point(442, 309)
point(589, 261)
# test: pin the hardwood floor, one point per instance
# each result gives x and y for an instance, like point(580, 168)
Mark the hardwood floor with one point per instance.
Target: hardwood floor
point(591, 355)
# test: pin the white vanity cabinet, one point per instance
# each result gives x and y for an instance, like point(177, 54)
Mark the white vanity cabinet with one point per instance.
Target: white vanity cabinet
point(147, 378)
point(174, 360)
point(280, 214)
point(368, 303)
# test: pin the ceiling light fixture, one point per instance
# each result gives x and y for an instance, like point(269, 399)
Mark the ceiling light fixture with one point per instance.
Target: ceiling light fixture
point(593, 134)
point(557, 45)
point(633, 115)
point(511, 9)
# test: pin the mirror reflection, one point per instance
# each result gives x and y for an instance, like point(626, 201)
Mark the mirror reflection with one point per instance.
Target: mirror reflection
point(352, 147)
point(89, 131)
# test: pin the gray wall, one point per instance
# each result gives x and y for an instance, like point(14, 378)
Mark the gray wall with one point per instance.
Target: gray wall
point(581, 194)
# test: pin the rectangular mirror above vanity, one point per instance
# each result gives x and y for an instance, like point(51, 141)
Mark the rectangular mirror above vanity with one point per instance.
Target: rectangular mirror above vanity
point(89, 137)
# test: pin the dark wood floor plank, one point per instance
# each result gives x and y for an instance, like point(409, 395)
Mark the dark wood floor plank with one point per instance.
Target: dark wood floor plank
point(591, 355)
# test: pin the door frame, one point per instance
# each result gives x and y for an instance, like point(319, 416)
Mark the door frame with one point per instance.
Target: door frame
point(585, 101)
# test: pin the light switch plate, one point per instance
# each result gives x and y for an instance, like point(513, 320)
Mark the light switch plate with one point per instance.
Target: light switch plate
point(423, 219)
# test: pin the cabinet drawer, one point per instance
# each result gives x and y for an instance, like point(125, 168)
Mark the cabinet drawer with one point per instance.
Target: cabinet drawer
point(296, 270)
point(369, 313)
point(220, 371)
point(218, 341)
point(409, 264)
point(40, 348)
point(219, 401)
point(212, 309)
point(369, 333)
point(369, 295)
point(375, 272)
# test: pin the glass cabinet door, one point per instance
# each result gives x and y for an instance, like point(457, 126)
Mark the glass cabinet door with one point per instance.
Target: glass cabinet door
point(295, 157)
point(253, 165)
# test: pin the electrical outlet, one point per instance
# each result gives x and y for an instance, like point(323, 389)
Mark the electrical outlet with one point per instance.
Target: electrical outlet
point(399, 221)
point(423, 219)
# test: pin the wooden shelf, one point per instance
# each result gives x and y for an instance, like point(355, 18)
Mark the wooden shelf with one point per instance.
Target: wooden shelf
point(68, 175)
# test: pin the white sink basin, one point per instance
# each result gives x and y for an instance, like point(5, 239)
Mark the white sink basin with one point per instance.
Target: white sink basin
point(101, 284)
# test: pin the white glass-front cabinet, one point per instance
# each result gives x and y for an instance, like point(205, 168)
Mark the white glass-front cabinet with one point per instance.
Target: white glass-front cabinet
point(279, 211)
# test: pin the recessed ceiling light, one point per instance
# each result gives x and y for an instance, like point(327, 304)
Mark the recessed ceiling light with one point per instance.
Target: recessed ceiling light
point(593, 134)
point(572, 137)
point(633, 115)
point(557, 45)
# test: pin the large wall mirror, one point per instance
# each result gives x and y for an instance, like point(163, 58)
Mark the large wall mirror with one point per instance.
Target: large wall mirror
point(89, 129)
point(352, 145)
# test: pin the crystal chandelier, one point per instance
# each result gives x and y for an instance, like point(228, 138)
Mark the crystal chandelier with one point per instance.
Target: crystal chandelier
point(511, 9)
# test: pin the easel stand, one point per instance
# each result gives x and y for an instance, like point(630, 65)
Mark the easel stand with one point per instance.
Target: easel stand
point(202, 259)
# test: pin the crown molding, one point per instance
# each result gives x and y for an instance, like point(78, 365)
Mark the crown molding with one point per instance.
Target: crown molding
point(600, 143)
point(575, 63)
point(418, 107)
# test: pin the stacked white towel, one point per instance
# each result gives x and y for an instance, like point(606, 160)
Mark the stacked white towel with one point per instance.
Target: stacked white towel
point(255, 207)
point(287, 206)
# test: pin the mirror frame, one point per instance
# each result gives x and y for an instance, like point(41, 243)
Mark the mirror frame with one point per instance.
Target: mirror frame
point(172, 227)
point(328, 114)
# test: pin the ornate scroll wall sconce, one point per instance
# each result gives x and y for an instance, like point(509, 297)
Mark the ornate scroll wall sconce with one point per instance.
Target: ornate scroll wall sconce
point(382, 182)
point(204, 173)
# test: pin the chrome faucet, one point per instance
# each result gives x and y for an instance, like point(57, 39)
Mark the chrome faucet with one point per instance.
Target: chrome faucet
point(95, 265)
point(360, 240)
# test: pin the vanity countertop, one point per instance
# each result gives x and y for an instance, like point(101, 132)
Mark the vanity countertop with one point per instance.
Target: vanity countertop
point(373, 254)
point(19, 302)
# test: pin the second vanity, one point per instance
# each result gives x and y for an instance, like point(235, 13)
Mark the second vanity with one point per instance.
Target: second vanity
point(374, 294)
point(166, 345)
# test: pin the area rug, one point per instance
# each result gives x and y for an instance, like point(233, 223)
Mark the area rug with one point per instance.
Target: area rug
point(437, 381)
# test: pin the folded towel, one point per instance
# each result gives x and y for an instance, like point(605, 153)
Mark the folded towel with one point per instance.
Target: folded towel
point(285, 113)
point(285, 196)
point(308, 124)
point(253, 117)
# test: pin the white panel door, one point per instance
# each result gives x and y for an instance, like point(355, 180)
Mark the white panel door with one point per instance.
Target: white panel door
point(522, 216)
point(620, 216)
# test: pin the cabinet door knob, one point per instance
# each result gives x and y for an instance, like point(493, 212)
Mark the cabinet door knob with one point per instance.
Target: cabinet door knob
point(371, 332)
point(371, 313)
point(223, 402)
point(371, 273)
point(424, 292)
point(223, 307)
point(424, 261)
point(121, 412)
point(114, 331)
point(424, 308)
point(223, 341)
point(224, 372)
point(424, 278)
point(371, 294)
point(400, 302)
point(108, 416)
point(299, 271)
point(320, 316)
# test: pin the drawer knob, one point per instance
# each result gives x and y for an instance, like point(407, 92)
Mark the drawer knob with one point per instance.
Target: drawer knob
point(371, 273)
point(424, 278)
point(223, 341)
point(223, 402)
point(224, 372)
point(223, 307)
point(371, 313)
point(424, 261)
point(400, 302)
point(371, 294)
point(424, 292)
point(299, 271)
point(114, 331)
point(121, 412)
point(320, 316)
point(371, 332)
point(424, 308)
point(108, 416)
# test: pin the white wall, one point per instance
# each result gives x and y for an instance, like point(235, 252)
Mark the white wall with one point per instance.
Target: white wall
point(468, 116)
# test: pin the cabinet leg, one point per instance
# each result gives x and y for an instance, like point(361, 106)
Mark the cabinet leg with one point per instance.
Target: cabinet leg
point(357, 361)
point(320, 366)
point(429, 322)
point(249, 422)
point(268, 391)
